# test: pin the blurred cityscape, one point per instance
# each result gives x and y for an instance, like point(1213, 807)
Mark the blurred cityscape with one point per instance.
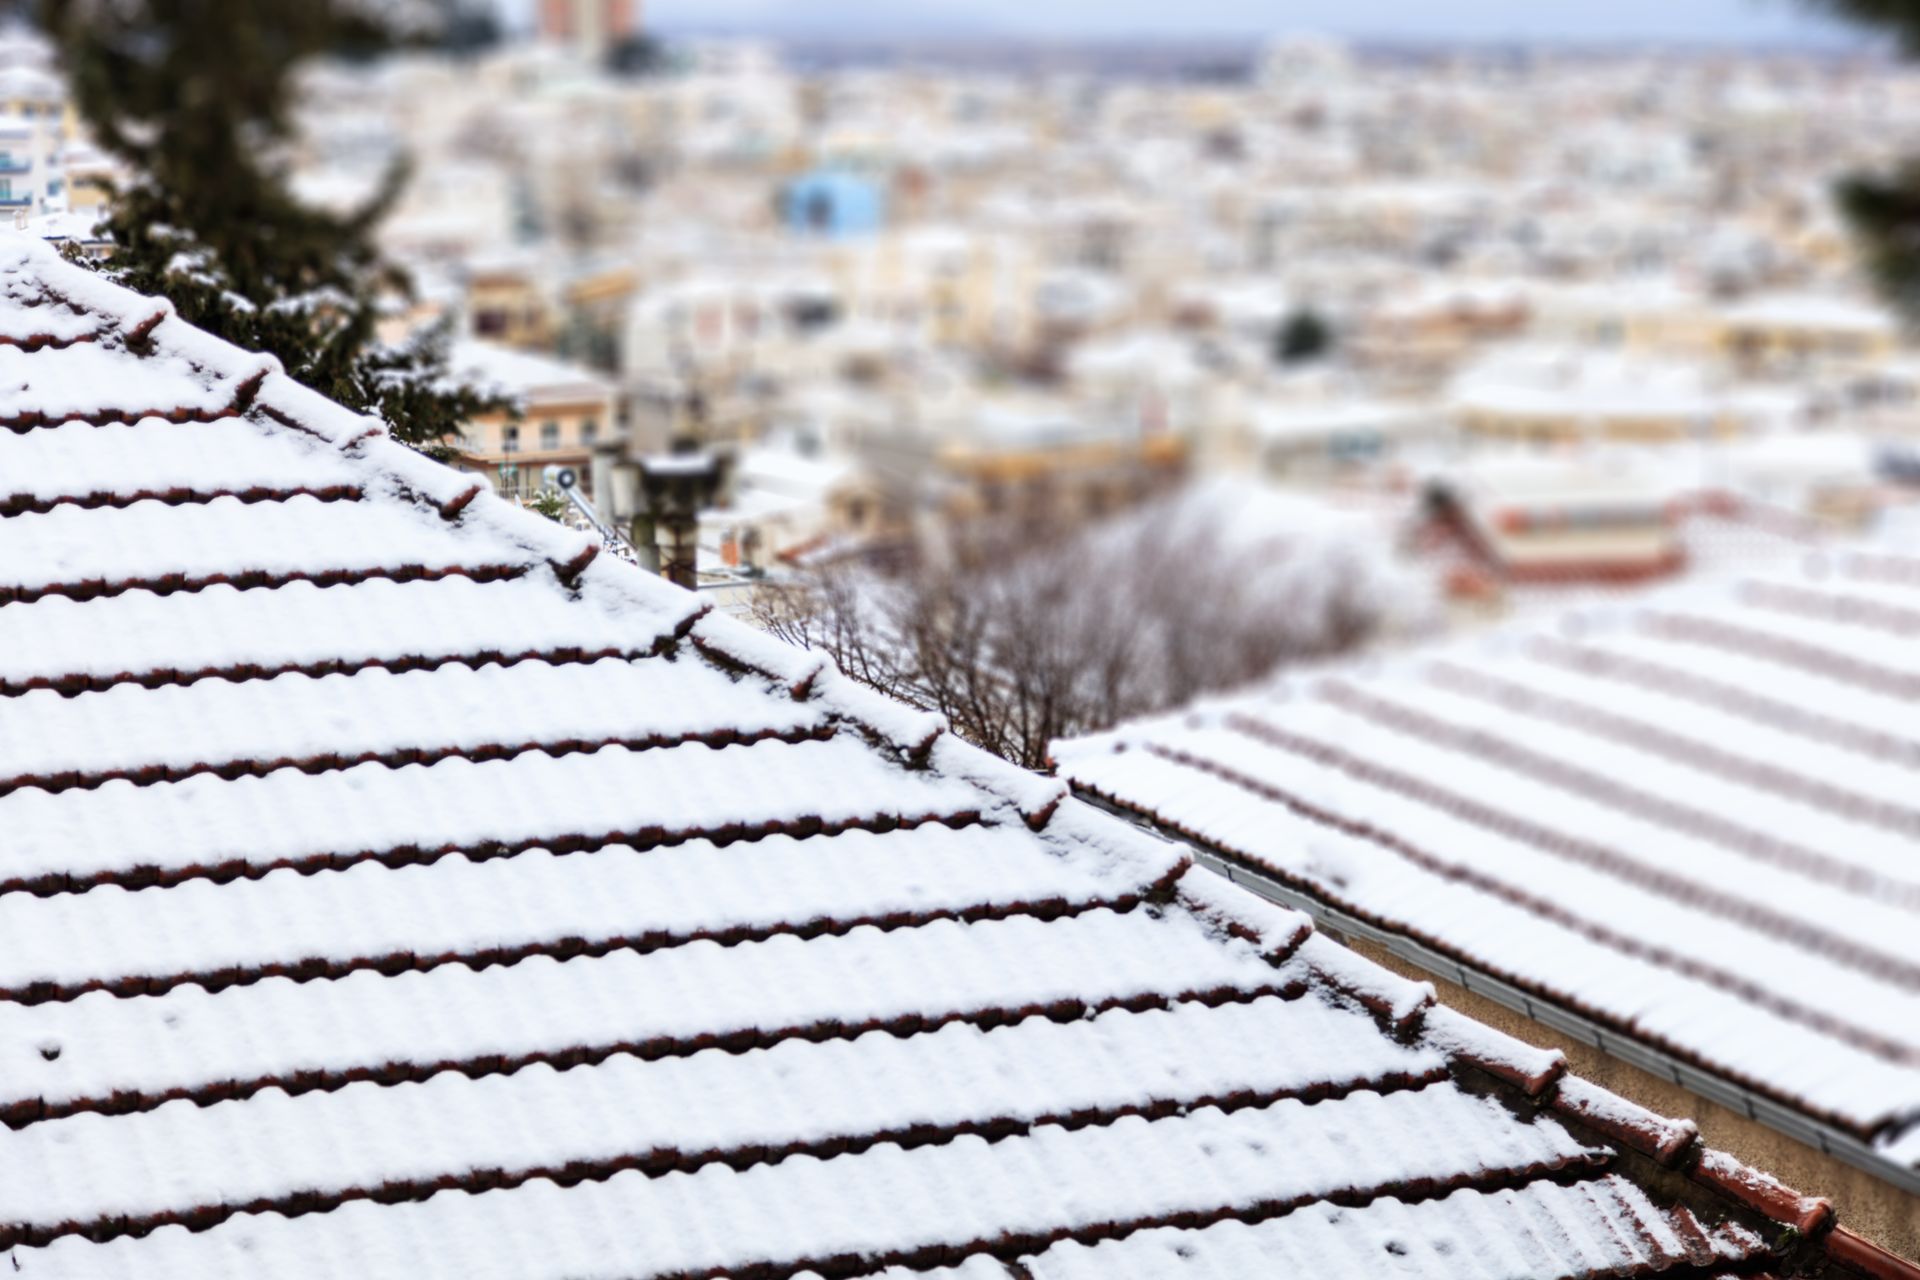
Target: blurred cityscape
point(1467, 328)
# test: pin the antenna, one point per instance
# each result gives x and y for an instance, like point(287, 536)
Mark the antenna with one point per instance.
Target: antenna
point(567, 481)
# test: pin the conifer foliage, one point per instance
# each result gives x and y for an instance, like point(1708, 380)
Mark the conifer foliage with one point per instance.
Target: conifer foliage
point(1884, 208)
point(197, 98)
point(1898, 18)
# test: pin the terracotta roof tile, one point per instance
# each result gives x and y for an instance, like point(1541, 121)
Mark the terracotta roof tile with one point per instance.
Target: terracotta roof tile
point(457, 903)
point(1690, 821)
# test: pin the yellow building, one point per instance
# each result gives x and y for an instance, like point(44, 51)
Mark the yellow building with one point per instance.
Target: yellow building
point(1786, 333)
point(1559, 396)
point(1019, 465)
point(564, 413)
point(597, 303)
point(88, 173)
point(508, 306)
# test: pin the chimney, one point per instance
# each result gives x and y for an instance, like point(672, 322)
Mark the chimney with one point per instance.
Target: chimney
point(674, 489)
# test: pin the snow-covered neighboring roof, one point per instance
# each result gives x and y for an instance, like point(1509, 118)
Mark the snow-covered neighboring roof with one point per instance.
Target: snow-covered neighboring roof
point(1810, 311)
point(1552, 380)
point(1779, 469)
point(525, 375)
point(1143, 355)
point(1690, 818)
point(1318, 419)
point(33, 84)
point(1457, 296)
point(392, 886)
point(780, 471)
point(1522, 478)
point(83, 225)
point(1638, 296)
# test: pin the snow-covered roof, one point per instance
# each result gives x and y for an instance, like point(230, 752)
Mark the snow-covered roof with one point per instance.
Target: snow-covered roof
point(1317, 419)
point(392, 886)
point(30, 84)
point(781, 468)
point(1567, 481)
point(84, 225)
point(1552, 380)
point(1144, 355)
point(1690, 819)
point(525, 375)
point(1812, 311)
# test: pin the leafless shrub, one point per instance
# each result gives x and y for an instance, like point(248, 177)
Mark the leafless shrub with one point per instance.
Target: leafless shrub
point(1023, 634)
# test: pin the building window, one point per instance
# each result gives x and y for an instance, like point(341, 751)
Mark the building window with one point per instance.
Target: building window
point(589, 430)
point(549, 435)
point(509, 439)
point(6, 188)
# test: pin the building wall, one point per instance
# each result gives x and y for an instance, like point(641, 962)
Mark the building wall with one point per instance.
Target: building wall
point(1881, 1212)
point(1576, 425)
point(509, 310)
point(1777, 346)
point(518, 471)
point(833, 204)
point(488, 433)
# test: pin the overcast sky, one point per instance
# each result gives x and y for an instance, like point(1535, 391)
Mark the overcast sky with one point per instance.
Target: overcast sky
point(1690, 21)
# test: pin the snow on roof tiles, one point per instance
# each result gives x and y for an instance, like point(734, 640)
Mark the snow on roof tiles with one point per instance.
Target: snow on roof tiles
point(391, 888)
point(1692, 819)
point(88, 466)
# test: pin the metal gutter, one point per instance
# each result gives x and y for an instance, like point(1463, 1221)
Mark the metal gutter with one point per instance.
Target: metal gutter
point(1796, 1124)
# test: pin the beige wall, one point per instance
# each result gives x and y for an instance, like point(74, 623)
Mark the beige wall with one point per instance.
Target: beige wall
point(1882, 1213)
point(484, 435)
point(510, 311)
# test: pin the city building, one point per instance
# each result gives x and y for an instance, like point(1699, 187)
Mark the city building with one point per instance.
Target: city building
point(559, 415)
point(1560, 520)
point(833, 203)
point(30, 87)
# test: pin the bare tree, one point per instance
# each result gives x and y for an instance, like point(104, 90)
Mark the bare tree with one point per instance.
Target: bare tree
point(1022, 635)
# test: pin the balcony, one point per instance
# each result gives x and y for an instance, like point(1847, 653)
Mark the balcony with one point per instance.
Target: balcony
point(13, 165)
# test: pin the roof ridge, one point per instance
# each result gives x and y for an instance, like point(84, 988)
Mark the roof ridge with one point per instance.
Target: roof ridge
point(1545, 1076)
